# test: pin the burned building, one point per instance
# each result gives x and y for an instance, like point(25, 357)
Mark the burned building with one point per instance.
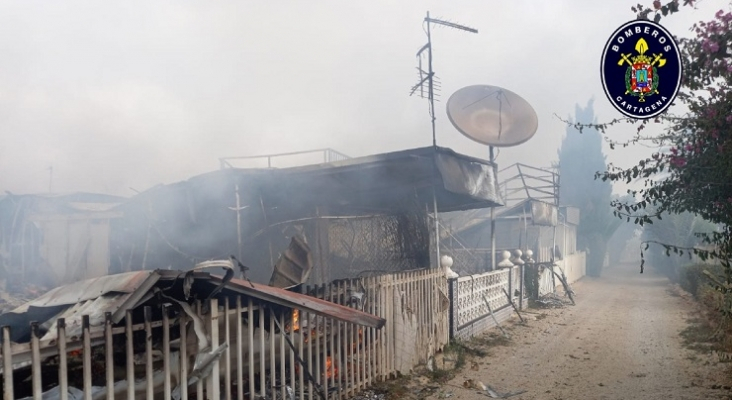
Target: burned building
point(362, 215)
point(55, 239)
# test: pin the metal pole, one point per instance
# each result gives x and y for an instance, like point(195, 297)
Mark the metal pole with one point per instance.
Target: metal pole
point(431, 92)
point(553, 258)
point(493, 216)
point(238, 220)
point(437, 226)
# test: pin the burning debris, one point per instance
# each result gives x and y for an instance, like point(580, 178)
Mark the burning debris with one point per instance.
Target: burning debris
point(143, 305)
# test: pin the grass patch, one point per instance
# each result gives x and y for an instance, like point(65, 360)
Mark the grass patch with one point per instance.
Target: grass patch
point(441, 375)
point(698, 336)
point(491, 339)
point(397, 388)
point(453, 355)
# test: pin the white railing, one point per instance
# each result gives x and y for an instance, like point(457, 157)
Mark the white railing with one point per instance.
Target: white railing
point(238, 349)
point(296, 158)
point(469, 294)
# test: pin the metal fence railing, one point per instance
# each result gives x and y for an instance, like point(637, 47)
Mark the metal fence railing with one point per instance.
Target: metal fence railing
point(285, 159)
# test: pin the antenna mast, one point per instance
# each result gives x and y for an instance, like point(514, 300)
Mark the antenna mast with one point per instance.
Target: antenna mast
point(428, 77)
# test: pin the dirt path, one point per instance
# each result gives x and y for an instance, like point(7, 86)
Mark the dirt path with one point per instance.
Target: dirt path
point(621, 341)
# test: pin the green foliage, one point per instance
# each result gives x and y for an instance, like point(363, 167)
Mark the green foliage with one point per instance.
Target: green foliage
point(694, 278)
point(680, 230)
point(580, 158)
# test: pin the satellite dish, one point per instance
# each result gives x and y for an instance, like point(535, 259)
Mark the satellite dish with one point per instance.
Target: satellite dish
point(492, 115)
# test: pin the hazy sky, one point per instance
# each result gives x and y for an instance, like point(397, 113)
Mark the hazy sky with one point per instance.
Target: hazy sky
point(129, 94)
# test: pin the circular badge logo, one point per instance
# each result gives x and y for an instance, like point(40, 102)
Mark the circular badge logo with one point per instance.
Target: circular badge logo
point(641, 69)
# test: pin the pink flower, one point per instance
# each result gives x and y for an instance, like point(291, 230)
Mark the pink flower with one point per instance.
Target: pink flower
point(678, 161)
point(713, 47)
point(688, 147)
point(729, 118)
point(674, 151)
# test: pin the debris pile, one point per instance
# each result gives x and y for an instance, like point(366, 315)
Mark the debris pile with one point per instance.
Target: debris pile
point(551, 300)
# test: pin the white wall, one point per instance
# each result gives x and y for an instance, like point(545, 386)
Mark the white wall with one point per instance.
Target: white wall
point(574, 267)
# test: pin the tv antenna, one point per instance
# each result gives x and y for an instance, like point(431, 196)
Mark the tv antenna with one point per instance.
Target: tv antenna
point(428, 77)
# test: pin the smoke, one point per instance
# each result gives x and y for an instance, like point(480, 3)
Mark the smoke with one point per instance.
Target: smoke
point(127, 95)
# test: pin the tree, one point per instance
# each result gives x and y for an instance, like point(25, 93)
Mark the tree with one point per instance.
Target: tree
point(692, 170)
point(580, 157)
point(623, 235)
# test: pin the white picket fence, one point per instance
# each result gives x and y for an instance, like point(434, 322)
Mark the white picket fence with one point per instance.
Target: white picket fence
point(251, 351)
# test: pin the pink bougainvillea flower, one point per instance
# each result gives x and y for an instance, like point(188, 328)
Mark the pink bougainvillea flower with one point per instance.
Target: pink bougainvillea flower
point(678, 161)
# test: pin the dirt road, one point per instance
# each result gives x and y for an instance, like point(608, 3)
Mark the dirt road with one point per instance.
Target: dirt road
point(621, 341)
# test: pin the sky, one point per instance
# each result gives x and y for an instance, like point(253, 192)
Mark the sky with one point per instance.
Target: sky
point(117, 97)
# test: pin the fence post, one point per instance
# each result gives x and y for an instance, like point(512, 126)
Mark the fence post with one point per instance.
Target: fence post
point(7, 366)
point(147, 314)
point(130, 354)
point(510, 284)
point(36, 359)
point(108, 354)
point(86, 354)
point(166, 352)
point(213, 382)
point(521, 287)
point(63, 380)
point(451, 288)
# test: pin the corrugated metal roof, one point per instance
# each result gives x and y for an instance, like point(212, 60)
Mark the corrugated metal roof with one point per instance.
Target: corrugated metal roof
point(121, 292)
point(125, 283)
point(95, 309)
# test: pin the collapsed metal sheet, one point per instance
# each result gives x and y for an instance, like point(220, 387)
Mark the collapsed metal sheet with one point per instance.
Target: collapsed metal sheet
point(294, 265)
point(472, 178)
point(544, 214)
point(121, 292)
point(94, 297)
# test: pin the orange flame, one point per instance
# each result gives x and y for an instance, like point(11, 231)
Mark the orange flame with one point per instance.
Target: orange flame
point(295, 320)
point(330, 369)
